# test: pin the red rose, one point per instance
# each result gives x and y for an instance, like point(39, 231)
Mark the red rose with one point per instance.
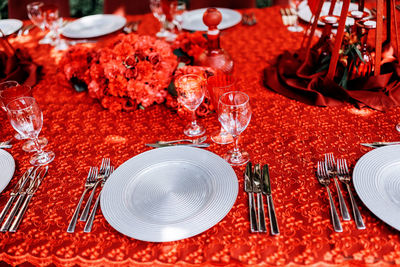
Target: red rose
point(154, 58)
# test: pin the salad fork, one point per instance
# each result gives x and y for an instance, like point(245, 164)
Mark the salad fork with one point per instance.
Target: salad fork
point(323, 179)
point(89, 223)
point(90, 181)
point(344, 177)
point(331, 167)
point(105, 165)
point(193, 141)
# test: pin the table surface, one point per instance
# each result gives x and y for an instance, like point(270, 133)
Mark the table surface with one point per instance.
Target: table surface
point(288, 135)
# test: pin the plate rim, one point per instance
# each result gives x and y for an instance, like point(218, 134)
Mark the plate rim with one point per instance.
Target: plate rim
point(358, 180)
point(7, 154)
point(19, 22)
point(69, 35)
point(224, 207)
point(221, 9)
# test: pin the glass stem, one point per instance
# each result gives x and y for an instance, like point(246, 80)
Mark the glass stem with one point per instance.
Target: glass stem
point(194, 122)
point(236, 147)
point(296, 22)
point(37, 145)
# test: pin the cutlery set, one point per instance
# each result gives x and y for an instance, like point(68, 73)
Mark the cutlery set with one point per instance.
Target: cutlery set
point(257, 182)
point(95, 178)
point(131, 26)
point(288, 16)
point(6, 144)
point(198, 142)
point(331, 169)
point(249, 19)
point(380, 144)
point(23, 191)
point(25, 29)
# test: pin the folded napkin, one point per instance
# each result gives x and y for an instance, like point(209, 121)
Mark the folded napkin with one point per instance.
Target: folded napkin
point(378, 92)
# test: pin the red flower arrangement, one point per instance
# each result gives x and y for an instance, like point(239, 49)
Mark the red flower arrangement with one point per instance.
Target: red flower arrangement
point(189, 46)
point(131, 71)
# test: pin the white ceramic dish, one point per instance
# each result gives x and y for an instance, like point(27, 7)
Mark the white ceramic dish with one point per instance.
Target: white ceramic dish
point(9, 26)
point(7, 168)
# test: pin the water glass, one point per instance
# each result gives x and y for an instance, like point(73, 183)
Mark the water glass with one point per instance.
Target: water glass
point(35, 14)
point(234, 113)
point(162, 11)
point(294, 5)
point(53, 22)
point(27, 119)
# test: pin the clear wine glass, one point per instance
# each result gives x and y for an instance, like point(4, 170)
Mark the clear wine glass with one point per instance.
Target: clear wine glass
point(9, 91)
point(162, 11)
point(178, 8)
point(191, 90)
point(53, 22)
point(294, 5)
point(234, 113)
point(27, 119)
point(36, 16)
point(218, 85)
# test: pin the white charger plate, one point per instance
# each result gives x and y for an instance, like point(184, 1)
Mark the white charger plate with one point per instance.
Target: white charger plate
point(7, 167)
point(168, 194)
point(9, 26)
point(376, 178)
point(93, 26)
point(193, 20)
point(306, 15)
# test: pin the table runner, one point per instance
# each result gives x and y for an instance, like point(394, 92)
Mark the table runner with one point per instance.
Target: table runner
point(288, 135)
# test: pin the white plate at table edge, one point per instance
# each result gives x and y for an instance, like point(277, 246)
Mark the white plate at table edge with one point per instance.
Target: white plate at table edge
point(305, 12)
point(118, 198)
point(7, 171)
point(119, 23)
point(230, 18)
point(369, 173)
point(13, 24)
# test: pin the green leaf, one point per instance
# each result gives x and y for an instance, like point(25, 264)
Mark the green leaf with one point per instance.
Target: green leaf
point(179, 53)
point(141, 107)
point(322, 67)
point(172, 89)
point(359, 54)
point(343, 81)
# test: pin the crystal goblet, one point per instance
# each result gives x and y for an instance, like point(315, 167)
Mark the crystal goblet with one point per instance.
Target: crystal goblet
point(234, 113)
point(294, 4)
point(35, 14)
point(162, 11)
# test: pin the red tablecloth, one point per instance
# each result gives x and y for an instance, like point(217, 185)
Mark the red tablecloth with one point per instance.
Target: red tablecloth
point(290, 136)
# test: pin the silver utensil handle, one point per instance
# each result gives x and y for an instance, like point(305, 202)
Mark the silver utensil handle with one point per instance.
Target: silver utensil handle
point(357, 215)
point(86, 210)
point(6, 208)
point(7, 223)
point(89, 223)
point(20, 214)
point(261, 214)
point(272, 216)
point(72, 223)
point(342, 205)
point(252, 212)
point(337, 226)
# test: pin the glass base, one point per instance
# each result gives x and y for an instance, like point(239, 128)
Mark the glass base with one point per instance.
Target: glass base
point(237, 158)
point(221, 137)
point(194, 130)
point(29, 146)
point(166, 35)
point(42, 158)
point(295, 28)
point(398, 127)
point(46, 39)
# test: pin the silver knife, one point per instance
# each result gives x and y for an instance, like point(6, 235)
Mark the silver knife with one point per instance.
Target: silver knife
point(21, 196)
point(260, 203)
point(190, 145)
point(271, 209)
point(33, 187)
point(379, 144)
point(248, 187)
point(14, 193)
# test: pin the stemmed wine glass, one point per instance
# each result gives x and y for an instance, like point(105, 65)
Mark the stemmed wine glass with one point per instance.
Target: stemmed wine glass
point(53, 22)
point(36, 16)
point(9, 91)
point(162, 11)
point(294, 4)
point(234, 113)
point(27, 119)
point(218, 85)
point(178, 8)
point(191, 90)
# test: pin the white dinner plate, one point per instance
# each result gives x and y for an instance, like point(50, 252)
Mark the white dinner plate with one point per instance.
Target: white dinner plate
point(168, 194)
point(193, 20)
point(9, 26)
point(376, 178)
point(305, 12)
point(7, 168)
point(93, 26)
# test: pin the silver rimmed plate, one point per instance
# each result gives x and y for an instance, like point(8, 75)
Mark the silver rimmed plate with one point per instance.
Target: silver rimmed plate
point(193, 20)
point(376, 178)
point(168, 194)
point(93, 26)
point(306, 15)
point(9, 26)
point(7, 167)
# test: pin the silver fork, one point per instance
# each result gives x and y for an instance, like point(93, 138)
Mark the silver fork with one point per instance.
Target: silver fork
point(344, 176)
point(331, 166)
point(323, 179)
point(6, 144)
point(105, 165)
point(193, 141)
point(90, 181)
point(89, 223)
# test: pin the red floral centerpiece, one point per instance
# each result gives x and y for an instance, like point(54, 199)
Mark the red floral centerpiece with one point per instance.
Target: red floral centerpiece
point(131, 71)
